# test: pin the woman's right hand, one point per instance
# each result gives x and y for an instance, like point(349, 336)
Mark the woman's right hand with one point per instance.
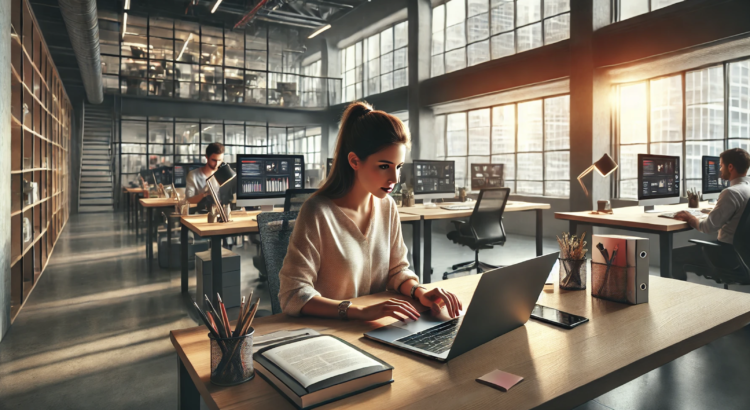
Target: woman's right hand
point(383, 309)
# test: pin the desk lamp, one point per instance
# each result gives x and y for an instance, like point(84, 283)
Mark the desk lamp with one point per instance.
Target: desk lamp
point(606, 165)
point(224, 174)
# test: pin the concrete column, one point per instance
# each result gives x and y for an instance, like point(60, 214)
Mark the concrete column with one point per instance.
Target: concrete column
point(420, 36)
point(330, 62)
point(5, 152)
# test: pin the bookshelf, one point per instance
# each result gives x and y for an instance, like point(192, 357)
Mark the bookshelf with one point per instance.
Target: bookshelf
point(40, 135)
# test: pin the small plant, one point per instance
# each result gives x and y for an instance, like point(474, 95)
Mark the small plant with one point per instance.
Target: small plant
point(571, 247)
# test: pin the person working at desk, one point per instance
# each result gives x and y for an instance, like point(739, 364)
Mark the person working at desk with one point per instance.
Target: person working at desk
point(196, 189)
point(725, 216)
point(347, 238)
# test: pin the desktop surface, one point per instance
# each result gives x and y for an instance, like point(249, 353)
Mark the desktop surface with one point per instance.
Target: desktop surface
point(561, 368)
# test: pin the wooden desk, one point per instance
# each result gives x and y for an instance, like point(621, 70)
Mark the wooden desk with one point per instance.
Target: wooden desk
point(430, 214)
point(149, 204)
point(561, 368)
point(131, 195)
point(633, 218)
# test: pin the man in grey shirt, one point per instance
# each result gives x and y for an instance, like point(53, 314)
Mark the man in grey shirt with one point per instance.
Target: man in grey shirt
point(196, 189)
point(725, 217)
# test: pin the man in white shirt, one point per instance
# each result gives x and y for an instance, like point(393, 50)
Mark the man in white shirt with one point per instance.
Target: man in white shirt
point(196, 189)
point(725, 216)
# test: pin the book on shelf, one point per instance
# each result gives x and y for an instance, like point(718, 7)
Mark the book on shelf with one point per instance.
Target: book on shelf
point(319, 369)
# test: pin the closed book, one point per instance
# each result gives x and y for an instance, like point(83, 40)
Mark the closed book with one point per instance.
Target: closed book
point(319, 369)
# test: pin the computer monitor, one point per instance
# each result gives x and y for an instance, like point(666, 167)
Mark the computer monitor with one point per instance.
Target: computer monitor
point(712, 183)
point(485, 176)
point(658, 180)
point(433, 179)
point(262, 180)
point(180, 173)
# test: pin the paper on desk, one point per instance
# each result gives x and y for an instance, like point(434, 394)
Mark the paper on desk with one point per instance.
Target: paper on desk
point(268, 339)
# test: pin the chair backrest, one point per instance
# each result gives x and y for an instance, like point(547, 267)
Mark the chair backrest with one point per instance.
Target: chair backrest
point(294, 198)
point(742, 237)
point(275, 228)
point(487, 219)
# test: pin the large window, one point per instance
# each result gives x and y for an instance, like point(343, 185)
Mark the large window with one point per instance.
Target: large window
point(650, 119)
point(531, 139)
point(377, 64)
point(626, 9)
point(147, 143)
point(470, 32)
point(261, 64)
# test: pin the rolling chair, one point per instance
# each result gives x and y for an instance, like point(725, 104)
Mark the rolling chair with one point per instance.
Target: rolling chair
point(294, 198)
point(484, 230)
point(275, 229)
point(728, 265)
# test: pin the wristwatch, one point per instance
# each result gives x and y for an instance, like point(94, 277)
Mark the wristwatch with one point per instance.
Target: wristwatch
point(414, 289)
point(344, 309)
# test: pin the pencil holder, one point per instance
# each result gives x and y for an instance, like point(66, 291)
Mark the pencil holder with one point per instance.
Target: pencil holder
point(610, 282)
point(573, 274)
point(232, 359)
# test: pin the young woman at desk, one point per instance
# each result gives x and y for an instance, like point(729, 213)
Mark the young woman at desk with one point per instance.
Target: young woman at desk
point(347, 239)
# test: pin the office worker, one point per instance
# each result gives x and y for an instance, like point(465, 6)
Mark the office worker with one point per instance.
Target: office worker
point(725, 216)
point(196, 189)
point(347, 238)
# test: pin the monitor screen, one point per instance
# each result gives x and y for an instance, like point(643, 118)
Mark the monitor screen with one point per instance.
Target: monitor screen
point(269, 176)
point(434, 177)
point(486, 176)
point(658, 176)
point(712, 182)
point(180, 173)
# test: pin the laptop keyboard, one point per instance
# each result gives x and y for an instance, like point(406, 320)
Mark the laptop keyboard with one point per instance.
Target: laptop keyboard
point(436, 339)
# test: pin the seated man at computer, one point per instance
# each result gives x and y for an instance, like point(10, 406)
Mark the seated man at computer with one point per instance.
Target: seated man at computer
point(725, 217)
point(347, 238)
point(196, 189)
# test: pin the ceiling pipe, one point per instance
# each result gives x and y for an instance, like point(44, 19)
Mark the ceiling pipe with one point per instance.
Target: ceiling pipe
point(247, 17)
point(81, 21)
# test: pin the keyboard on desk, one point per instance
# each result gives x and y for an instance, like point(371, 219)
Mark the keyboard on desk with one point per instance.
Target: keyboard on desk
point(695, 212)
point(458, 207)
point(436, 339)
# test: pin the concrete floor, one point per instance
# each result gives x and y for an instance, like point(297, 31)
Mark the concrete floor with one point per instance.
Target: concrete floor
point(94, 333)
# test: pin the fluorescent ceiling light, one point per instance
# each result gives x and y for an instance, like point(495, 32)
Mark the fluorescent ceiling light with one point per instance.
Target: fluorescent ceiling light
point(216, 6)
point(320, 30)
point(184, 46)
point(124, 23)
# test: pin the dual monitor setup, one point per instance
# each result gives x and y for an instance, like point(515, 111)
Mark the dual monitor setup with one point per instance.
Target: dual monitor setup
point(659, 180)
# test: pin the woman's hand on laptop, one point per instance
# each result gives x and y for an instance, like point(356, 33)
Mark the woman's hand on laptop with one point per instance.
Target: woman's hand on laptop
point(437, 298)
point(388, 308)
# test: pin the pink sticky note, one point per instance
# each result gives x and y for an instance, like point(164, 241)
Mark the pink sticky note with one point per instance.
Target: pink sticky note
point(500, 380)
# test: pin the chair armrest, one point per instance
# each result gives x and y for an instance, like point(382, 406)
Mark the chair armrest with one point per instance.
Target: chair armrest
point(458, 224)
point(705, 243)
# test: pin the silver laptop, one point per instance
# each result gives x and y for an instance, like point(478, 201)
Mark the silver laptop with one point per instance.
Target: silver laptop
point(503, 301)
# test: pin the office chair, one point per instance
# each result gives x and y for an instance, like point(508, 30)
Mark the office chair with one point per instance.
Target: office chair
point(728, 265)
point(294, 198)
point(275, 229)
point(484, 230)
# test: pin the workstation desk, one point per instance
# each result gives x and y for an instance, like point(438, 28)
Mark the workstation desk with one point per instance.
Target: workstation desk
point(431, 214)
point(150, 204)
point(633, 218)
point(561, 368)
point(131, 206)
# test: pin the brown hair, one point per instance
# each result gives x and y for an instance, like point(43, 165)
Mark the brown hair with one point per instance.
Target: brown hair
point(737, 157)
point(214, 148)
point(364, 132)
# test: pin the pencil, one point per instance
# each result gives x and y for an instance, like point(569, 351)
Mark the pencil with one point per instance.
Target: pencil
point(224, 314)
point(219, 323)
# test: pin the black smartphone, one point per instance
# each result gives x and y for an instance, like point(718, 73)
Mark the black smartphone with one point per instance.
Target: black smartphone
point(555, 317)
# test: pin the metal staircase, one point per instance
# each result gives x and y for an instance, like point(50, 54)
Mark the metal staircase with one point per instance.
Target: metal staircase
point(95, 189)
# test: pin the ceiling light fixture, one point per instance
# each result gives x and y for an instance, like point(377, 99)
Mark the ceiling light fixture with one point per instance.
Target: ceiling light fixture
point(320, 30)
point(184, 46)
point(127, 5)
point(216, 6)
point(124, 23)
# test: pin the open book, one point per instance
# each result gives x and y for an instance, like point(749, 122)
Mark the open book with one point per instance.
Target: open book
point(318, 369)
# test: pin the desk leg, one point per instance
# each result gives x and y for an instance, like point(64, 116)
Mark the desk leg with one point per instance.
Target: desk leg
point(427, 262)
point(127, 207)
point(184, 258)
point(188, 397)
point(539, 232)
point(149, 238)
point(665, 254)
point(137, 217)
point(416, 241)
point(217, 277)
point(169, 243)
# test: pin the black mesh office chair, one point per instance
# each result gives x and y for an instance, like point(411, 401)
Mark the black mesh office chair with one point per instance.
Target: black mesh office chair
point(294, 198)
point(484, 230)
point(275, 228)
point(728, 265)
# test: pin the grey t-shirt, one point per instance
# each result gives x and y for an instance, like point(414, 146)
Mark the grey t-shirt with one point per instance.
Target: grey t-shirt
point(729, 208)
point(196, 184)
